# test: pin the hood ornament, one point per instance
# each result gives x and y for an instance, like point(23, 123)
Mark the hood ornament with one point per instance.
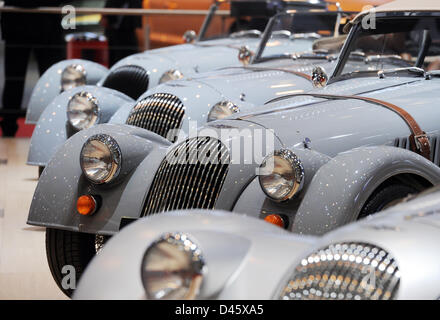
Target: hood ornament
point(245, 55)
point(189, 36)
point(319, 77)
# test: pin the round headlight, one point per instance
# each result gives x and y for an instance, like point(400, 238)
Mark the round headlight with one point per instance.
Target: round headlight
point(101, 159)
point(82, 111)
point(281, 175)
point(73, 76)
point(171, 75)
point(222, 110)
point(173, 268)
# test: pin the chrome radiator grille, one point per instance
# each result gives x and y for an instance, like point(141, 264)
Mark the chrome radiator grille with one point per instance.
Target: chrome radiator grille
point(161, 113)
point(191, 176)
point(130, 79)
point(342, 271)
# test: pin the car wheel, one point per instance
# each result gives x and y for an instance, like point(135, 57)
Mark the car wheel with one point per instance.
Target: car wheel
point(67, 248)
point(40, 171)
point(386, 197)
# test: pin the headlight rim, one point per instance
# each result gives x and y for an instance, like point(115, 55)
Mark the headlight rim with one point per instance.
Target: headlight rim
point(95, 109)
point(176, 237)
point(172, 74)
point(116, 156)
point(224, 103)
point(296, 166)
point(77, 67)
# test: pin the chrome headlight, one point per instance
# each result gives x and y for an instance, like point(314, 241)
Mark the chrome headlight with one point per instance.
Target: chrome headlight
point(281, 175)
point(73, 76)
point(173, 268)
point(222, 110)
point(171, 75)
point(82, 111)
point(101, 159)
point(344, 271)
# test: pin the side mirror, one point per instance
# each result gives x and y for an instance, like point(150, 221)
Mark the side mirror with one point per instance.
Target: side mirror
point(245, 55)
point(189, 36)
point(319, 77)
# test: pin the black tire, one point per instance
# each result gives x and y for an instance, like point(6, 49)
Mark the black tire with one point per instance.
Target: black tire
point(40, 171)
point(68, 248)
point(385, 196)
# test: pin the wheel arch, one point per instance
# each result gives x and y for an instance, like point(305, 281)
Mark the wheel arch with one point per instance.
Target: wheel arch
point(341, 187)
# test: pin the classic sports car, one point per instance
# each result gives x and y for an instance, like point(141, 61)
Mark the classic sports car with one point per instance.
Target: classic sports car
point(136, 73)
point(224, 92)
point(310, 162)
point(219, 255)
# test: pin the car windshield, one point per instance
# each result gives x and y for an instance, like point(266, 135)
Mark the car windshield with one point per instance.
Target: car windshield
point(408, 45)
point(217, 24)
point(298, 26)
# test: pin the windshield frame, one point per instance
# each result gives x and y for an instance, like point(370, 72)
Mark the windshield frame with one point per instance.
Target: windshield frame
point(268, 31)
point(208, 19)
point(357, 30)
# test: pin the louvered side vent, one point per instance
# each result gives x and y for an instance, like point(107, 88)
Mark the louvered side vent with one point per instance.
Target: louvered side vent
point(433, 141)
point(161, 113)
point(130, 80)
point(190, 177)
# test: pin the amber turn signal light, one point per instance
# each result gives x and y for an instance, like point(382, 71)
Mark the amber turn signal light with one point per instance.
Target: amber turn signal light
point(86, 205)
point(275, 219)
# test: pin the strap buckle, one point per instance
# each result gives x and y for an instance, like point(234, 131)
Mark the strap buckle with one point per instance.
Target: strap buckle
point(417, 141)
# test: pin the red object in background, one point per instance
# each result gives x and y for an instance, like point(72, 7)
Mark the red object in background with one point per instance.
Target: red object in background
point(24, 130)
point(88, 46)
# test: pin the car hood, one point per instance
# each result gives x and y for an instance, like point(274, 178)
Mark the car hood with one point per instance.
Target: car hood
point(301, 117)
point(204, 56)
point(246, 87)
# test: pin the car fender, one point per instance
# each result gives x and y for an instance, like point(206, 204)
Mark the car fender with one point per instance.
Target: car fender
point(49, 85)
point(53, 129)
point(341, 187)
point(62, 182)
point(409, 232)
point(246, 242)
point(253, 201)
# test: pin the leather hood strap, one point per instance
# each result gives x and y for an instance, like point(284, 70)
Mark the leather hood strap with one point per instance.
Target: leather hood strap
point(419, 142)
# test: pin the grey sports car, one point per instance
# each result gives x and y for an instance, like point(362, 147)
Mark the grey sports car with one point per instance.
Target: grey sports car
point(272, 73)
point(311, 162)
point(135, 74)
point(219, 255)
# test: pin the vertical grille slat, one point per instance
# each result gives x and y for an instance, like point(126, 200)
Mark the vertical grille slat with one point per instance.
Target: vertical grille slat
point(159, 113)
point(131, 80)
point(190, 177)
point(433, 141)
point(436, 152)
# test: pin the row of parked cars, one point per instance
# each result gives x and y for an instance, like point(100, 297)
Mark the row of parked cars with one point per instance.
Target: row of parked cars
point(308, 149)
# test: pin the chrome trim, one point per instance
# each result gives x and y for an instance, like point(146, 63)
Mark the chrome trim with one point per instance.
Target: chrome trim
point(173, 74)
point(161, 113)
point(115, 152)
point(228, 104)
point(319, 77)
point(347, 270)
point(185, 181)
point(78, 68)
point(246, 33)
point(245, 55)
point(182, 242)
point(95, 108)
point(297, 167)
